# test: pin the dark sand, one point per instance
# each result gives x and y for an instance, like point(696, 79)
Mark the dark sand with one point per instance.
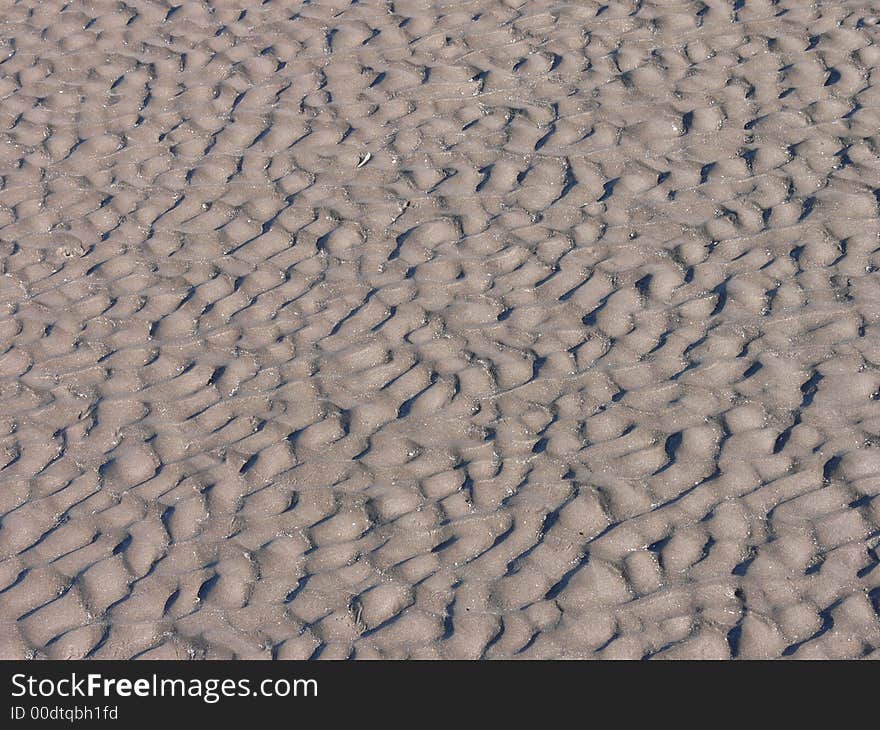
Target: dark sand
point(423, 329)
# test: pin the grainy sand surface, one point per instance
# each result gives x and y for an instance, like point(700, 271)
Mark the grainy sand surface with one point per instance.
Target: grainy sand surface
point(402, 328)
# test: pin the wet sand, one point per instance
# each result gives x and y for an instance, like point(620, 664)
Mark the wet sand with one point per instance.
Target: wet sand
point(415, 329)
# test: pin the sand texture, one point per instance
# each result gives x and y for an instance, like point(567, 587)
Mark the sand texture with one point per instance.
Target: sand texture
point(415, 329)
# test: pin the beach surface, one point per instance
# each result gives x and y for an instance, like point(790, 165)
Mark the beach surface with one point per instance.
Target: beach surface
point(415, 329)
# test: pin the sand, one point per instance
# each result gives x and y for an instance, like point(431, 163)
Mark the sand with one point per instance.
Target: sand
point(413, 329)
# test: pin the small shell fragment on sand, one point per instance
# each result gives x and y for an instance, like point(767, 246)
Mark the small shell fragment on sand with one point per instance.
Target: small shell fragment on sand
point(364, 160)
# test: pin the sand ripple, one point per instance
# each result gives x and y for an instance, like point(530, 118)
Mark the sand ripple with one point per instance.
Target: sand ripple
point(418, 329)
